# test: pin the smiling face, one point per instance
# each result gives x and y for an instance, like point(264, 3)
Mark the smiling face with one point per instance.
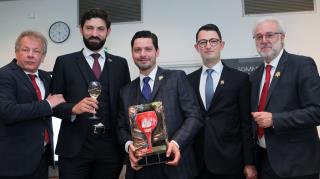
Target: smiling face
point(144, 55)
point(30, 54)
point(269, 40)
point(209, 46)
point(94, 32)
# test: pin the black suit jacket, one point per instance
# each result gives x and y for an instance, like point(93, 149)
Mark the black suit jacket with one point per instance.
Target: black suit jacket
point(71, 77)
point(181, 115)
point(23, 120)
point(294, 100)
point(226, 142)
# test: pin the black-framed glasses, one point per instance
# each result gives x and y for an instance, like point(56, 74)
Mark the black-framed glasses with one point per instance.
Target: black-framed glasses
point(268, 36)
point(213, 42)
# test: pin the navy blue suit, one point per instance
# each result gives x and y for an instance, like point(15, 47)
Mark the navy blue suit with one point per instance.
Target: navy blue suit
point(226, 143)
point(293, 145)
point(182, 117)
point(23, 120)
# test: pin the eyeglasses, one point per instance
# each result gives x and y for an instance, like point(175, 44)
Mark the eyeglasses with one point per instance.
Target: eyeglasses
point(268, 36)
point(213, 42)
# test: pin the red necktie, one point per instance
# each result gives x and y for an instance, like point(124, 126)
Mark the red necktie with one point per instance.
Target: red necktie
point(96, 68)
point(263, 97)
point(36, 87)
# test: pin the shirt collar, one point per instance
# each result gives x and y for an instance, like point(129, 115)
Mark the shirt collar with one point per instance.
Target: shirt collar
point(275, 61)
point(217, 68)
point(152, 74)
point(86, 52)
point(35, 73)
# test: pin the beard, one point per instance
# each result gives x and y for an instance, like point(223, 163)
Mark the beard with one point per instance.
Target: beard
point(94, 45)
point(275, 50)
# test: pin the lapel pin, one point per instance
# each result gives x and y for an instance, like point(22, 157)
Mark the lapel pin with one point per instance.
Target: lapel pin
point(160, 78)
point(277, 74)
point(222, 82)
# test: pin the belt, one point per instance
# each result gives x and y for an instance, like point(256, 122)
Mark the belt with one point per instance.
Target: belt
point(98, 129)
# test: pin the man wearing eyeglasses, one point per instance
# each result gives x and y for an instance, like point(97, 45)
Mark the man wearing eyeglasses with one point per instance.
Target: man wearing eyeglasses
point(285, 100)
point(225, 146)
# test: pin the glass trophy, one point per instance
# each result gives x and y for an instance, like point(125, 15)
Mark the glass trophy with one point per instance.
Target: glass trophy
point(149, 133)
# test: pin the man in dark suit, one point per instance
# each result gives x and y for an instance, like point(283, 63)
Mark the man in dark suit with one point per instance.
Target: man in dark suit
point(180, 107)
point(26, 143)
point(88, 148)
point(224, 147)
point(285, 102)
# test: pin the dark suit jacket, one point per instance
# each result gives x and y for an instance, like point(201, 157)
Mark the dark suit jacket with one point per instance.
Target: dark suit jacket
point(181, 115)
point(23, 120)
point(226, 142)
point(294, 100)
point(71, 77)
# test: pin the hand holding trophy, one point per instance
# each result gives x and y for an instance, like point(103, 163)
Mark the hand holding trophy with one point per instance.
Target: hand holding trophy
point(94, 90)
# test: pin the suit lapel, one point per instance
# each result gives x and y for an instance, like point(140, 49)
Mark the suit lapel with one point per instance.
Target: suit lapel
point(276, 77)
point(135, 97)
point(23, 77)
point(108, 69)
point(160, 76)
point(45, 82)
point(196, 84)
point(224, 78)
point(256, 86)
point(84, 67)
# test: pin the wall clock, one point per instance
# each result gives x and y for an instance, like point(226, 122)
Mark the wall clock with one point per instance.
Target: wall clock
point(59, 32)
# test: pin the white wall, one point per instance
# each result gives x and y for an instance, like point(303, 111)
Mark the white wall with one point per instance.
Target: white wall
point(175, 22)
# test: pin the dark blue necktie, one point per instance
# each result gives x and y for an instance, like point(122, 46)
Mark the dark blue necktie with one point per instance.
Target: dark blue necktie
point(146, 89)
point(209, 88)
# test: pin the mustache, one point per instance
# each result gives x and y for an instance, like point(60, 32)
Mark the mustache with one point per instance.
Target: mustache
point(94, 38)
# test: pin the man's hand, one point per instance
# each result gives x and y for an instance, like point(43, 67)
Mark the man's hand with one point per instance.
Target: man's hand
point(133, 158)
point(250, 172)
point(55, 100)
point(85, 105)
point(263, 119)
point(174, 151)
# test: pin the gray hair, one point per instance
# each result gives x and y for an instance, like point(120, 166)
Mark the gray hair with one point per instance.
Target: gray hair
point(34, 34)
point(279, 23)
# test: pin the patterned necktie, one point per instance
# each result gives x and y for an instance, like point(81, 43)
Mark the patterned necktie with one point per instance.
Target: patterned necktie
point(96, 68)
point(146, 89)
point(209, 88)
point(38, 92)
point(263, 97)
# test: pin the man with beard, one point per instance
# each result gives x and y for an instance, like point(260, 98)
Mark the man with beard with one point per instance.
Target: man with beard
point(88, 148)
point(285, 100)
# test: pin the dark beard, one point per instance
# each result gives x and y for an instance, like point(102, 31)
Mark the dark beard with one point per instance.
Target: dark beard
point(94, 46)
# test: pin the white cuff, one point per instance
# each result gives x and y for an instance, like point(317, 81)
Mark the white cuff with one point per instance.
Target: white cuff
point(175, 143)
point(126, 147)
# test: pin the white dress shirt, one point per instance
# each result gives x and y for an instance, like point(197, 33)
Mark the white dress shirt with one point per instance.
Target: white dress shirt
point(216, 74)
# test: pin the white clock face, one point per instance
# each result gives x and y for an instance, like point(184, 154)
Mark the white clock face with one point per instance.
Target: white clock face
point(59, 32)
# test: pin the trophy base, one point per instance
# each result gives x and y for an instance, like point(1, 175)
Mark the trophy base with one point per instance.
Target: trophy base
point(154, 159)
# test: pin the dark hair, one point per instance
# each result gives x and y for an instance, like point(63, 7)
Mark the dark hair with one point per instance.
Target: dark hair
point(96, 13)
point(145, 34)
point(209, 27)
